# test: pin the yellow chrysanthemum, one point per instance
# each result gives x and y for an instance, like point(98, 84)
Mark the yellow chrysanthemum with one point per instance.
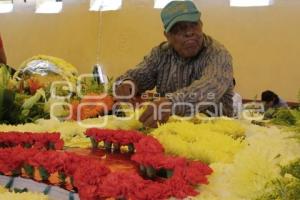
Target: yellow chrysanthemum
point(197, 142)
point(23, 196)
point(2, 189)
point(227, 126)
point(251, 171)
point(247, 177)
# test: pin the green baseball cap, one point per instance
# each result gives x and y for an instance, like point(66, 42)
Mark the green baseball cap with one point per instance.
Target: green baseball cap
point(178, 11)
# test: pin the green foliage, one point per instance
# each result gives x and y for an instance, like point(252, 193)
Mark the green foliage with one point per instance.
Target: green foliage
point(13, 111)
point(270, 113)
point(4, 76)
point(285, 188)
point(6, 103)
point(293, 169)
point(89, 85)
point(284, 117)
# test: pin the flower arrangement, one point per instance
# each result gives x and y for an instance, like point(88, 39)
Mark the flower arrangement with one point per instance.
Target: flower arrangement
point(202, 142)
point(182, 175)
point(93, 106)
point(72, 132)
point(82, 170)
point(226, 126)
point(93, 180)
point(28, 139)
point(266, 169)
point(114, 136)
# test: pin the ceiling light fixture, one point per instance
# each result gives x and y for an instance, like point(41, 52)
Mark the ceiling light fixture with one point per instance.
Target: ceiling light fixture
point(159, 4)
point(6, 6)
point(48, 6)
point(250, 3)
point(105, 5)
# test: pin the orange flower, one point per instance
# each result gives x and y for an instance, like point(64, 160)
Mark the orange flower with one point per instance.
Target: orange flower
point(91, 106)
point(34, 85)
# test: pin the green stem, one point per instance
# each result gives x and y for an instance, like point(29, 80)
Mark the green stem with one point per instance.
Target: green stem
point(44, 174)
point(94, 143)
point(29, 170)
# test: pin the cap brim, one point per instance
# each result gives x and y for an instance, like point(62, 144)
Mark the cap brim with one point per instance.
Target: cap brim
point(190, 17)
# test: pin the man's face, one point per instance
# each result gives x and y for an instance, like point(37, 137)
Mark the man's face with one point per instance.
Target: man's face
point(186, 38)
point(269, 104)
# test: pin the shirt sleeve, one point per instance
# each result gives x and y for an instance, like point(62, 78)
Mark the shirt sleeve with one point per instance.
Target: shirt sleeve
point(209, 90)
point(145, 73)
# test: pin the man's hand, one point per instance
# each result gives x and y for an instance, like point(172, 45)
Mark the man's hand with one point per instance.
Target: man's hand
point(158, 111)
point(126, 91)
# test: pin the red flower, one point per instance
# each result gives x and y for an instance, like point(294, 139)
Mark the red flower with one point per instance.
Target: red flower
point(14, 158)
point(196, 173)
point(37, 140)
point(115, 185)
point(94, 180)
point(52, 161)
point(72, 163)
point(148, 144)
point(88, 176)
point(116, 136)
point(151, 191)
point(179, 188)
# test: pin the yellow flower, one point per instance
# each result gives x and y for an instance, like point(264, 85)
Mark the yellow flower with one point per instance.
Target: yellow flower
point(228, 126)
point(253, 168)
point(23, 196)
point(2, 189)
point(198, 142)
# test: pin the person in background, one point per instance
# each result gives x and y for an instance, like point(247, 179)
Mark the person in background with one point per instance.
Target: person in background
point(2, 53)
point(189, 68)
point(272, 100)
point(237, 102)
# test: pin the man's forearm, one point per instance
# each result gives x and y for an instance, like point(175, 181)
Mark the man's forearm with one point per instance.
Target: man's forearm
point(141, 77)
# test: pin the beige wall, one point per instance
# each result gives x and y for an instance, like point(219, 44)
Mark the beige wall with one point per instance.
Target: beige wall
point(264, 41)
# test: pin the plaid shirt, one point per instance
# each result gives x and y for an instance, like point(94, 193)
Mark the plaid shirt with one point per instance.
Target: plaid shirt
point(205, 78)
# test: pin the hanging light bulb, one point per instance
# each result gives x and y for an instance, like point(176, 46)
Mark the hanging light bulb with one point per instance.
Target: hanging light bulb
point(98, 69)
point(159, 4)
point(6, 6)
point(99, 74)
point(252, 3)
point(48, 6)
point(105, 5)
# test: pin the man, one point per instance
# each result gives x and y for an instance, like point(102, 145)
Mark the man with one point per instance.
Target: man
point(272, 100)
point(2, 53)
point(191, 71)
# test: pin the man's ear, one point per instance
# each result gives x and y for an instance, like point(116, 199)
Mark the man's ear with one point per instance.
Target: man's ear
point(167, 35)
point(201, 24)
